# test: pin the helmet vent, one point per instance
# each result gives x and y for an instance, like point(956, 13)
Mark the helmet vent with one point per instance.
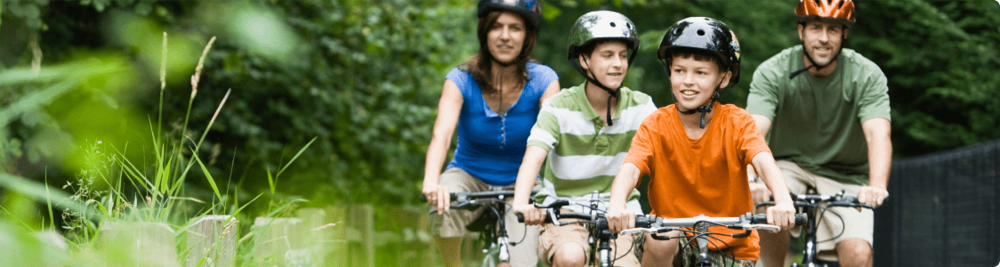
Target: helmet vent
point(701, 32)
point(612, 24)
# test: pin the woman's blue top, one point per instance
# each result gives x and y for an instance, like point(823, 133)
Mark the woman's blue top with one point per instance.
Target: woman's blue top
point(491, 146)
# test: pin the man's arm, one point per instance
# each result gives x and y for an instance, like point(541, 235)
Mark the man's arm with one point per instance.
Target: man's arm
point(763, 124)
point(878, 136)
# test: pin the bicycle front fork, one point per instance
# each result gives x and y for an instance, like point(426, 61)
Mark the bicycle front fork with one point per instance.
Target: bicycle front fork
point(504, 253)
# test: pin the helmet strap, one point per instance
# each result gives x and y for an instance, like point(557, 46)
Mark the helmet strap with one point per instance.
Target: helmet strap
point(811, 60)
point(707, 108)
point(593, 79)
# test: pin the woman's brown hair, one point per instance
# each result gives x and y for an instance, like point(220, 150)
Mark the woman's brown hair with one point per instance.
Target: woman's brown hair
point(480, 67)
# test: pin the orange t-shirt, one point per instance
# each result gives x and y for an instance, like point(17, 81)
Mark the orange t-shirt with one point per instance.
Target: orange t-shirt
point(707, 175)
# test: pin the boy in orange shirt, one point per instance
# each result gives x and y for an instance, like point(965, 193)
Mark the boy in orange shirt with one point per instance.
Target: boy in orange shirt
point(696, 150)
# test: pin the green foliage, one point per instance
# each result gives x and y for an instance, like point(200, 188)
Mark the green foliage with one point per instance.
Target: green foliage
point(363, 81)
point(940, 58)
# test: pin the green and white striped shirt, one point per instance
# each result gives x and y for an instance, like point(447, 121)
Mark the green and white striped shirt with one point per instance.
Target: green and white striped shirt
point(584, 153)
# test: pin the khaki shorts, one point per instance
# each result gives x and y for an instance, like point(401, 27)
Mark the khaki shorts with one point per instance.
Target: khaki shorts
point(452, 223)
point(553, 237)
point(855, 224)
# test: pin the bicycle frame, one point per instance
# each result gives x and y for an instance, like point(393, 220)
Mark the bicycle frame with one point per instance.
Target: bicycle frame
point(595, 221)
point(811, 203)
point(494, 202)
point(748, 222)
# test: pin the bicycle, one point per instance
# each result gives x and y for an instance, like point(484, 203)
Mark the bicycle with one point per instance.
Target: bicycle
point(594, 221)
point(811, 203)
point(654, 225)
point(490, 225)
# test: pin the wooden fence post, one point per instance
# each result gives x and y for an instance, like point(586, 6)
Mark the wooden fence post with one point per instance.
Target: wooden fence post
point(275, 238)
point(361, 234)
point(339, 254)
point(212, 238)
point(318, 234)
point(145, 243)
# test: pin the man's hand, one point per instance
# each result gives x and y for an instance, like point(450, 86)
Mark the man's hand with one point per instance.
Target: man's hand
point(872, 196)
point(532, 215)
point(437, 195)
point(759, 192)
point(620, 219)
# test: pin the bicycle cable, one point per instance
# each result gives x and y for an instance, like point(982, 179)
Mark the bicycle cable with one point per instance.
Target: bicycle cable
point(709, 236)
point(843, 224)
point(523, 233)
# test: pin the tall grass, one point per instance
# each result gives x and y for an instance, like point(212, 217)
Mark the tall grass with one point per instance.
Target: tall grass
point(114, 188)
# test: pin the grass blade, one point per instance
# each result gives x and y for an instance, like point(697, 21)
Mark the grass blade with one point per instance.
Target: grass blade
point(208, 176)
point(296, 156)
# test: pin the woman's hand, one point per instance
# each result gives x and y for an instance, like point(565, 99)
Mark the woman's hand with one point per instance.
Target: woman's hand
point(437, 195)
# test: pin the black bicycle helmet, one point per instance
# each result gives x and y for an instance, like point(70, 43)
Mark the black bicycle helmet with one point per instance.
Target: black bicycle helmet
point(529, 9)
point(704, 34)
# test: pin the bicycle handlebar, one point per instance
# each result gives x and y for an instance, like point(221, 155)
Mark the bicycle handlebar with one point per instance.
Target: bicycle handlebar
point(749, 221)
point(480, 195)
point(461, 200)
point(812, 200)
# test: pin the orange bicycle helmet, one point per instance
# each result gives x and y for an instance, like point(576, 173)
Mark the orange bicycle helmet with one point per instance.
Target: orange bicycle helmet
point(833, 10)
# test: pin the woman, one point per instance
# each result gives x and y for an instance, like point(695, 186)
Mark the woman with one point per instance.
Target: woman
point(493, 99)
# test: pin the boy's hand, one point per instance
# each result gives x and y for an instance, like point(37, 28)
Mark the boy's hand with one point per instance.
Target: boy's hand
point(532, 215)
point(620, 219)
point(782, 214)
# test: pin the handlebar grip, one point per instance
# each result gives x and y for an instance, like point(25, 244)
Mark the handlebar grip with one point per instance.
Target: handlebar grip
point(643, 221)
point(520, 218)
point(450, 196)
point(800, 219)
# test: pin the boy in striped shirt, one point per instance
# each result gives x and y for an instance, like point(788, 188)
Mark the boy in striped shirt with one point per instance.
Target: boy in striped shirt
point(585, 133)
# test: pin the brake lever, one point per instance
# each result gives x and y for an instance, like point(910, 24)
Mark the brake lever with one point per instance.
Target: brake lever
point(768, 227)
point(634, 231)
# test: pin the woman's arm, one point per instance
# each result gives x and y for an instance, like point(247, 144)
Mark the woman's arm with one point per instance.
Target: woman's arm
point(449, 108)
point(552, 90)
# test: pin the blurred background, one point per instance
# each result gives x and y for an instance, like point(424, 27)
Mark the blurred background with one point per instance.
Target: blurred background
point(314, 104)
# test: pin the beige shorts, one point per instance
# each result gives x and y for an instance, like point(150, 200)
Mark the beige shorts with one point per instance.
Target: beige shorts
point(855, 224)
point(452, 223)
point(553, 237)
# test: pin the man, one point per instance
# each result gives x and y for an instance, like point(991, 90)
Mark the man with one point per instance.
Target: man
point(827, 111)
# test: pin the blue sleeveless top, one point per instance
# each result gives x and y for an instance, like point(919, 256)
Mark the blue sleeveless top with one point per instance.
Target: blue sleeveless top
point(491, 146)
